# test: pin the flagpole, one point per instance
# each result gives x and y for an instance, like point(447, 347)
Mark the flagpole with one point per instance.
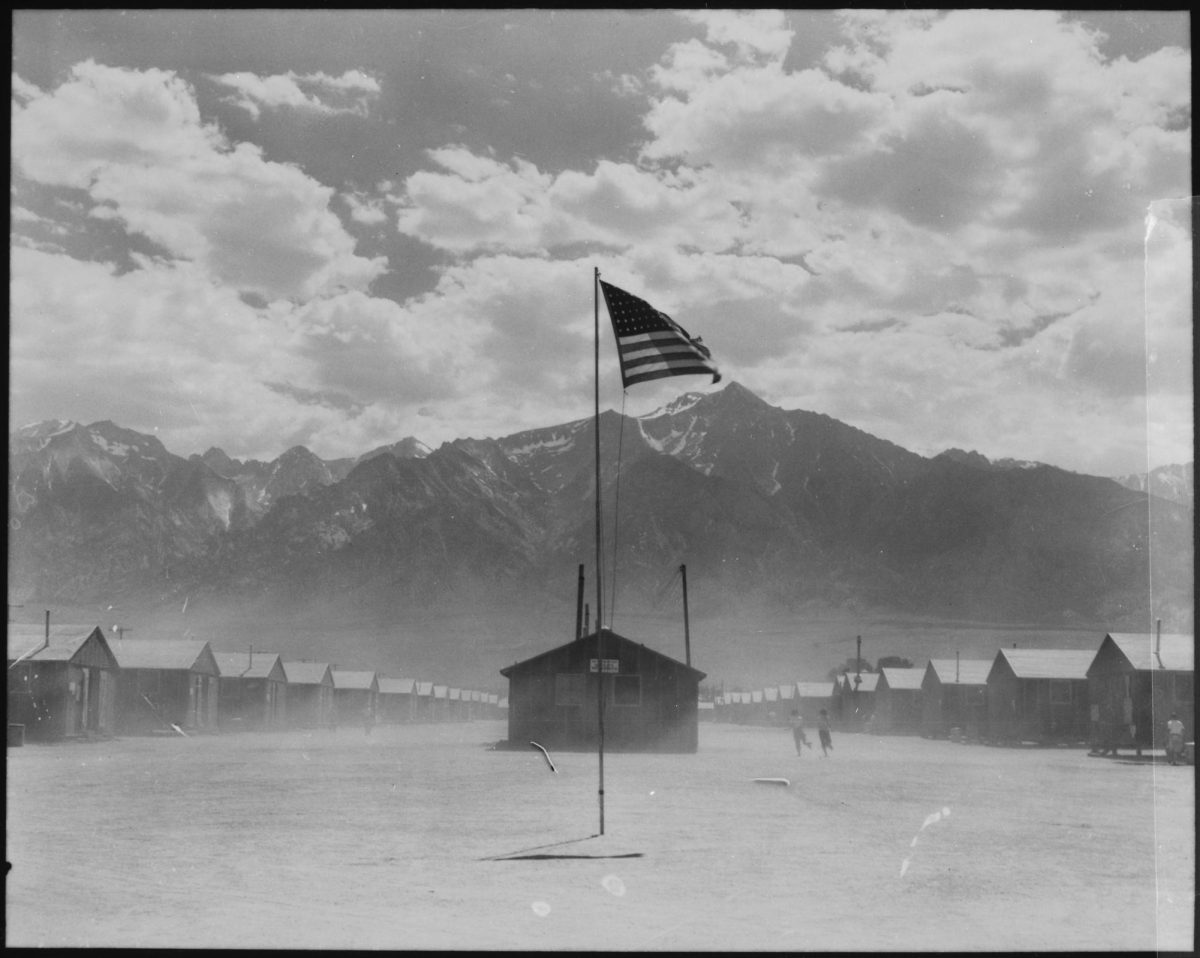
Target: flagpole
point(599, 556)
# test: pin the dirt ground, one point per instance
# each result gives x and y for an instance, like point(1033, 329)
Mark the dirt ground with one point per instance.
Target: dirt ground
point(408, 839)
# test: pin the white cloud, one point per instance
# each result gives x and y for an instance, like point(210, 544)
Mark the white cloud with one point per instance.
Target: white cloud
point(756, 33)
point(481, 204)
point(319, 93)
point(24, 90)
point(364, 209)
point(135, 141)
point(935, 234)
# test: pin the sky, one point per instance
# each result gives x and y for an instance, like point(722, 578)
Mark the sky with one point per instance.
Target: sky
point(260, 229)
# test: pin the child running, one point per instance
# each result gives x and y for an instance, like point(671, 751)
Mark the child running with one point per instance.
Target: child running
point(798, 735)
point(826, 734)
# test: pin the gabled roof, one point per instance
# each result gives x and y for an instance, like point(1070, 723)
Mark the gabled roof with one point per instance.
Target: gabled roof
point(613, 643)
point(1175, 652)
point(66, 641)
point(787, 691)
point(187, 655)
point(424, 688)
point(814, 690)
point(353, 679)
point(441, 691)
point(961, 671)
point(391, 686)
point(308, 673)
point(904, 679)
point(869, 681)
point(455, 695)
point(756, 695)
point(248, 665)
point(771, 693)
point(1046, 663)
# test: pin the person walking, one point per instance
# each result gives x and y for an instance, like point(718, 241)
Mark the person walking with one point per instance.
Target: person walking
point(798, 735)
point(1174, 738)
point(826, 735)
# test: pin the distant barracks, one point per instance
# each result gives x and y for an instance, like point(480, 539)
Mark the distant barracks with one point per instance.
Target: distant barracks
point(69, 682)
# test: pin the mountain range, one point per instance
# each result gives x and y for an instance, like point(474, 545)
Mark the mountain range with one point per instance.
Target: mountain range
point(469, 551)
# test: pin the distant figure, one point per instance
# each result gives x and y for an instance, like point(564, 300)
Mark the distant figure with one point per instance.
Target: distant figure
point(368, 721)
point(798, 735)
point(825, 733)
point(1174, 739)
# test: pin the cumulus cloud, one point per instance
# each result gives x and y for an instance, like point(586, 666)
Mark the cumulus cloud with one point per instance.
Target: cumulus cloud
point(756, 33)
point(366, 210)
point(162, 347)
point(943, 212)
point(937, 232)
point(320, 93)
point(135, 142)
point(477, 203)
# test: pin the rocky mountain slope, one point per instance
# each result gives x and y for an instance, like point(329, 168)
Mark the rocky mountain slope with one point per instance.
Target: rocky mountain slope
point(772, 510)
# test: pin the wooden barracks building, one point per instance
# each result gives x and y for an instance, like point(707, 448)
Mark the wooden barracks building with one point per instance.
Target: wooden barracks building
point(650, 698)
point(62, 682)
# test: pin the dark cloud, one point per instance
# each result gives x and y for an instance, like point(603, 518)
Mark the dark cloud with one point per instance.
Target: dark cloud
point(317, 397)
point(871, 326)
point(939, 174)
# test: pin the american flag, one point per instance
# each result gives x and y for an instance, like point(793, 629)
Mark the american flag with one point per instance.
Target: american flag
point(650, 343)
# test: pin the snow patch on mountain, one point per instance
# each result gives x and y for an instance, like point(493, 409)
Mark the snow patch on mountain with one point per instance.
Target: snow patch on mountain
point(112, 448)
point(1175, 482)
point(44, 432)
point(683, 442)
point(675, 406)
point(221, 503)
point(556, 444)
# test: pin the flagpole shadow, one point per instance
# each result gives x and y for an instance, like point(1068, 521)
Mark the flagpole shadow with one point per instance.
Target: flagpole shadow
point(536, 853)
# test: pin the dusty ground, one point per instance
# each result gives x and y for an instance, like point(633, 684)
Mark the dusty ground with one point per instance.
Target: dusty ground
point(336, 840)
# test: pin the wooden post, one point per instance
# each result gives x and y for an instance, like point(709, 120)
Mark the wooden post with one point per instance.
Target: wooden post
point(579, 606)
point(687, 639)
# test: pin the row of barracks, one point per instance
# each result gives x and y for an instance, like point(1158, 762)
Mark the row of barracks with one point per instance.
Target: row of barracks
point(1119, 695)
point(67, 681)
point(70, 683)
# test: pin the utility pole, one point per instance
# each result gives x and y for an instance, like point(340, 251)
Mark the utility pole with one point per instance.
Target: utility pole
point(579, 633)
point(687, 638)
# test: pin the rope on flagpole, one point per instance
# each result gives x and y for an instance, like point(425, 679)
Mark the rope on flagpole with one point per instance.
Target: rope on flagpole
point(612, 600)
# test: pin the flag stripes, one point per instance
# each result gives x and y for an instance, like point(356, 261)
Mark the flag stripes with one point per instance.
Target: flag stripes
point(650, 344)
